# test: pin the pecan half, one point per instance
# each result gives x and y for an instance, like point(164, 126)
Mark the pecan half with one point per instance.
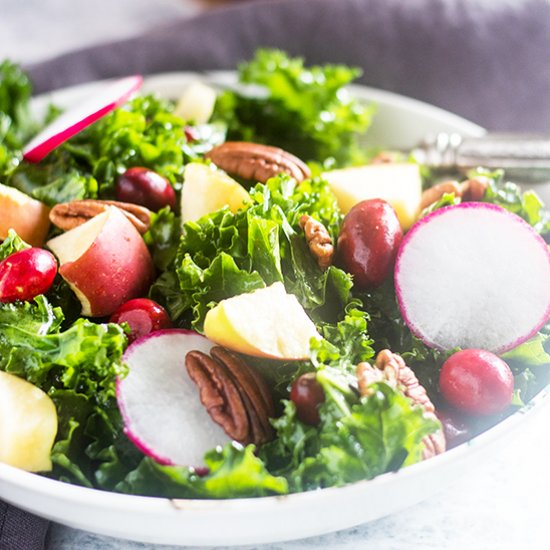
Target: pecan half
point(433, 194)
point(391, 368)
point(253, 161)
point(474, 188)
point(234, 394)
point(69, 215)
point(318, 240)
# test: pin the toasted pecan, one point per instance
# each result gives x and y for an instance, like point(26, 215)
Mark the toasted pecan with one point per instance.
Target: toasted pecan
point(254, 161)
point(391, 368)
point(69, 215)
point(234, 394)
point(318, 240)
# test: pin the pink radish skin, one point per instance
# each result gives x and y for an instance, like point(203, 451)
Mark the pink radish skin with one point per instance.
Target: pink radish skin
point(160, 404)
point(81, 116)
point(437, 280)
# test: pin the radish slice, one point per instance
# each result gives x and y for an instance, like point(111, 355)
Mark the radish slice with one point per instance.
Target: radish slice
point(473, 276)
point(81, 116)
point(160, 404)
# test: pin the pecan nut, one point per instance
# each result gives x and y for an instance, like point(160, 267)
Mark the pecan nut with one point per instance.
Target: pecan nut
point(474, 189)
point(433, 194)
point(254, 161)
point(69, 215)
point(391, 368)
point(318, 240)
point(234, 394)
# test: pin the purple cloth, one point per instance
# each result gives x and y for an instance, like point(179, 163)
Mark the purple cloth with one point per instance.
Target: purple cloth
point(487, 61)
point(20, 530)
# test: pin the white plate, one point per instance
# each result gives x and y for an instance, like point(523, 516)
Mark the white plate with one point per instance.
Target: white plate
point(400, 122)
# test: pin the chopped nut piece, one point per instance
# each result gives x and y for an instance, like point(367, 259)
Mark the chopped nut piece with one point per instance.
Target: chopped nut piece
point(234, 394)
point(69, 215)
point(318, 240)
point(474, 189)
point(385, 157)
point(253, 161)
point(391, 368)
point(433, 194)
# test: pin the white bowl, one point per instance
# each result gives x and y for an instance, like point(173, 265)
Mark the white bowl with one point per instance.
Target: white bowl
point(400, 123)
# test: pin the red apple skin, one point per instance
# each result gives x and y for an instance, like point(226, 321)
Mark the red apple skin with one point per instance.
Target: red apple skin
point(114, 269)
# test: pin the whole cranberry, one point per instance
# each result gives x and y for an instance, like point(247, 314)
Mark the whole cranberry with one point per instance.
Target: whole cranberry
point(455, 428)
point(143, 316)
point(368, 243)
point(142, 186)
point(307, 394)
point(26, 274)
point(477, 382)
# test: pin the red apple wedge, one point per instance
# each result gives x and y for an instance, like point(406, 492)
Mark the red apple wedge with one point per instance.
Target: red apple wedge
point(105, 261)
point(25, 215)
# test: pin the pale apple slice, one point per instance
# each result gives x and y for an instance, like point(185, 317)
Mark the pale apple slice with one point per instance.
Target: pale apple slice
point(206, 190)
point(81, 116)
point(25, 215)
point(105, 261)
point(28, 424)
point(267, 322)
point(399, 184)
point(196, 104)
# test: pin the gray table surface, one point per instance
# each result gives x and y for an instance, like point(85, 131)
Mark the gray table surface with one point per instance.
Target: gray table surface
point(503, 503)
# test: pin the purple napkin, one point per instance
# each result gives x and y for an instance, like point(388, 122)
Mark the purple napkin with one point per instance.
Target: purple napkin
point(20, 530)
point(487, 61)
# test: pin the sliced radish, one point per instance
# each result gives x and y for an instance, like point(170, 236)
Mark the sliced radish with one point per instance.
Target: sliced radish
point(80, 116)
point(160, 404)
point(473, 276)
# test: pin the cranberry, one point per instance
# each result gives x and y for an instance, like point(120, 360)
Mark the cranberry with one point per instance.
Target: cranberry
point(477, 382)
point(307, 394)
point(191, 134)
point(140, 185)
point(143, 316)
point(456, 429)
point(26, 274)
point(368, 242)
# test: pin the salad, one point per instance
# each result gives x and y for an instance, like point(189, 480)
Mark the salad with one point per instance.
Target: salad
point(228, 295)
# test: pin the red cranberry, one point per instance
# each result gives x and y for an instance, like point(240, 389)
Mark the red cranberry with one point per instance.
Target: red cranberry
point(191, 134)
point(456, 430)
point(477, 382)
point(307, 394)
point(26, 274)
point(368, 242)
point(140, 185)
point(143, 316)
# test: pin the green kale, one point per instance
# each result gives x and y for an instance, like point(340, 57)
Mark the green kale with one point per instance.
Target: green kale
point(232, 472)
point(224, 254)
point(306, 111)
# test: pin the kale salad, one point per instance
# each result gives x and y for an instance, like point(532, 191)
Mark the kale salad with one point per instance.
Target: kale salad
point(228, 295)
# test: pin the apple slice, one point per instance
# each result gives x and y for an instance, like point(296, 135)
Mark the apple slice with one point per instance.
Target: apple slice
point(473, 276)
point(81, 116)
point(399, 184)
point(105, 261)
point(196, 104)
point(160, 404)
point(267, 322)
point(28, 424)
point(206, 190)
point(25, 215)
